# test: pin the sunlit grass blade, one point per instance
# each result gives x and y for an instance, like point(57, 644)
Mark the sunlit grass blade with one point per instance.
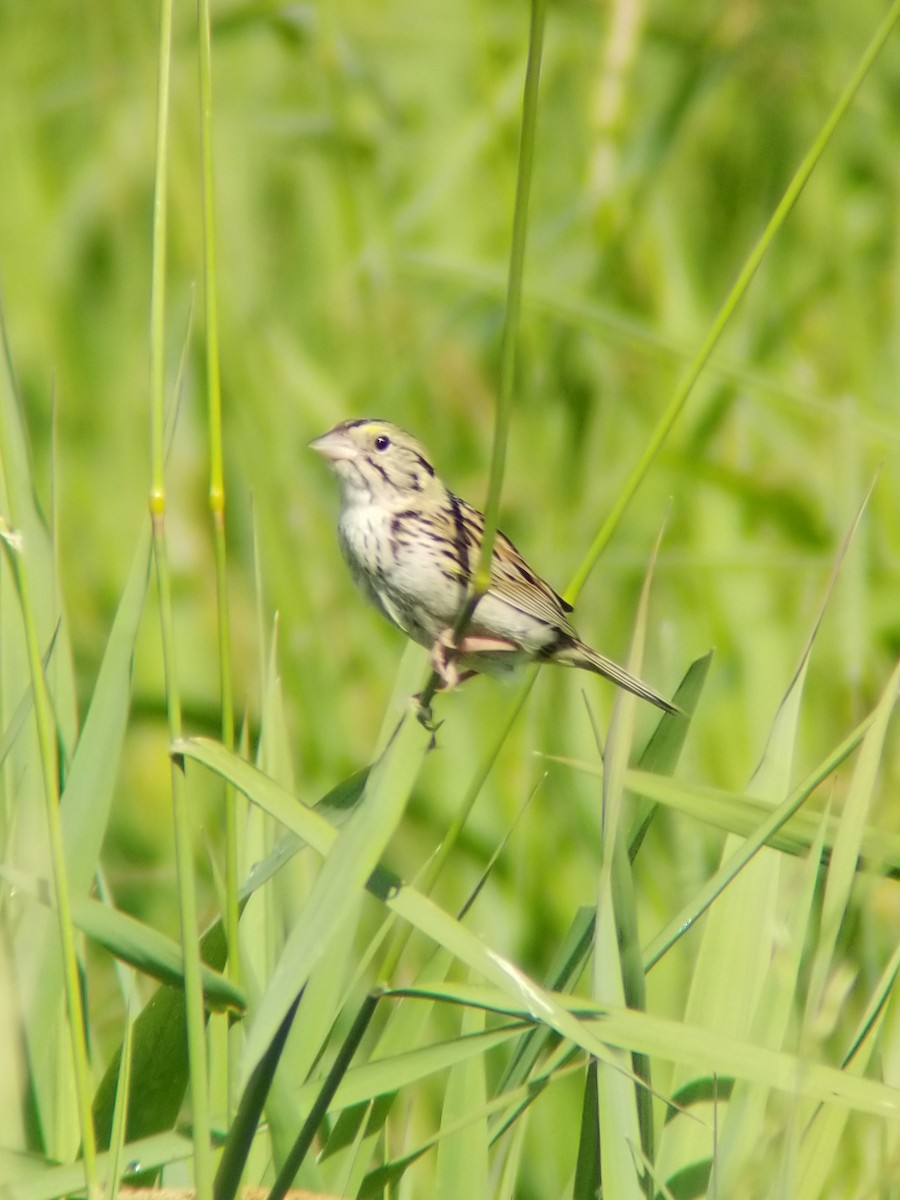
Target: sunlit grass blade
point(737, 945)
point(408, 904)
point(89, 789)
point(118, 1133)
point(187, 899)
point(848, 843)
point(217, 509)
point(709, 1052)
point(360, 1125)
point(88, 794)
point(563, 973)
point(787, 827)
point(517, 1100)
point(740, 937)
point(22, 710)
point(661, 754)
point(386, 1072)
point(745, 1113)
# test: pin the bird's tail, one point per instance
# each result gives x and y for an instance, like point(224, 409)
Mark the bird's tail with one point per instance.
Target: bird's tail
point(581, 655)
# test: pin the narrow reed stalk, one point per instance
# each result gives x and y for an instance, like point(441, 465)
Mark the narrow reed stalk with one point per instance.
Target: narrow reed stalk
point(217, 511)
point(187, 902)
point(508, 345)
point(47, 745)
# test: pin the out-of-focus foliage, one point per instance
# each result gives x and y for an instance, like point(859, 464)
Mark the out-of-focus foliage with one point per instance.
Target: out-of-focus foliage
point(365, 158)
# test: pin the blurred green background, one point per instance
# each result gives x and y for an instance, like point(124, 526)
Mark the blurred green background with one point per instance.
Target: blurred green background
point(365, 161)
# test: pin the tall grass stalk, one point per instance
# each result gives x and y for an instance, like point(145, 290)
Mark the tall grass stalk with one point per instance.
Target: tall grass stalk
point(50, 772)
point(511, 322)
point(184, 858)
point(217, 511)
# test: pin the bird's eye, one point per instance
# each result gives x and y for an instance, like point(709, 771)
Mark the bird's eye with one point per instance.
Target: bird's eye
point(382, 441)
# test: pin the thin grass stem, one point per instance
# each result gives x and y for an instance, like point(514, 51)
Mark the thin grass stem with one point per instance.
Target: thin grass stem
point(509, 339)
point(512, 316)
point(47, 746)
point(732, 300)
point(187, 904)
point(217, 511)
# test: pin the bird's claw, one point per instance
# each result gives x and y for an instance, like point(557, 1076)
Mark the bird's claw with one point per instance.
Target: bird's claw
point(425, 717)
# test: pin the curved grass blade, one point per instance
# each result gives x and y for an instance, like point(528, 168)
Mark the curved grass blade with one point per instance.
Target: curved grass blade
point(145, 949)
point(704, 1049)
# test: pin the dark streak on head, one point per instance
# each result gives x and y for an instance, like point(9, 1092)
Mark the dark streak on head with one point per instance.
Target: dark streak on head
point(362, 421)
point(380, 469)
point(426, 465)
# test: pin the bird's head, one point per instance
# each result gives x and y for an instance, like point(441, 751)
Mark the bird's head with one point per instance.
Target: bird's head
point(377, 462)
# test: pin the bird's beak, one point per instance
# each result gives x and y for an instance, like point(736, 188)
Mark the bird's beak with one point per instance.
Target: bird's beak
point(333, 447)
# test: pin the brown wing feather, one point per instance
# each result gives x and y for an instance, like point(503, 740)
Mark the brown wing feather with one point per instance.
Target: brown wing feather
point(511, 577)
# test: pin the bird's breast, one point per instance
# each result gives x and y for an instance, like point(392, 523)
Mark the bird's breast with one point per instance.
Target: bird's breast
point(364, 537)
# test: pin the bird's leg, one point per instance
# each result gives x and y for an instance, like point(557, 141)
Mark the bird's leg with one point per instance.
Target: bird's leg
point(443, 656)
point(443, 660)
point(444, 653)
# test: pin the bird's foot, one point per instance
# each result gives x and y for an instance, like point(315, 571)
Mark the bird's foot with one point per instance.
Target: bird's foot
point(425, 717)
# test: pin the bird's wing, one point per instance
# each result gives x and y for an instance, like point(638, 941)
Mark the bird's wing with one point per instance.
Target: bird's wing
point(512, 580)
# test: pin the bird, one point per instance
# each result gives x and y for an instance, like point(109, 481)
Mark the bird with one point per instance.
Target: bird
point(412, 547)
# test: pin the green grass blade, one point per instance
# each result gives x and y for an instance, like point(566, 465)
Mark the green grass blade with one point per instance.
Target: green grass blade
point(159, 1066)
point(143, 948)
point(462, 1161)
point(625, 1113)
point(244, 1126)
point(120, 1111)
point(765, 832)
point(410, 905)
point(323, 1099)
point(822, 1139)
point(644, 1034)
point(706, 1051)
point(143, 1157)
point(340, 881)
point(848, 845)
point(588, 1178)
point(32, 573)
